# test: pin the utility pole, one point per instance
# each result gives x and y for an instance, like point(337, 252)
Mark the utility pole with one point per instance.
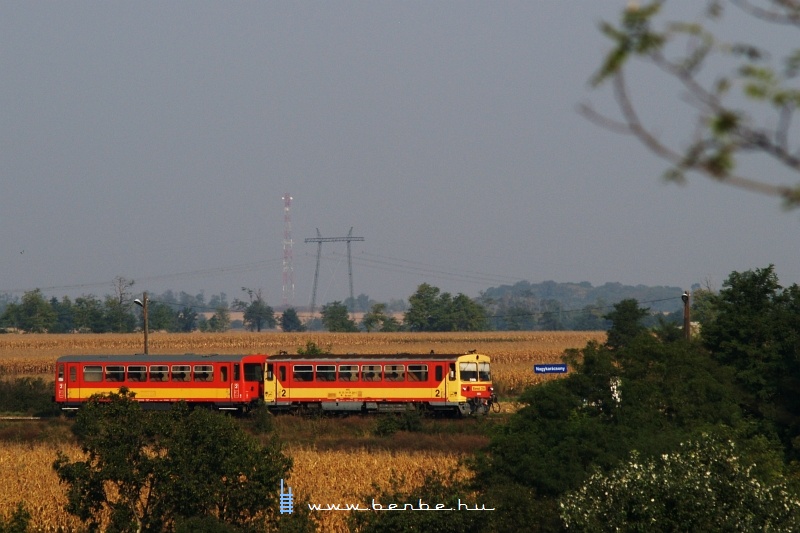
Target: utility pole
point(687, 322)
point(143, 304)
point(319, 239)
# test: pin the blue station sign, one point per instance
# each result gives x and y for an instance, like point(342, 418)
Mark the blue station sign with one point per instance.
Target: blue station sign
point(550, 369)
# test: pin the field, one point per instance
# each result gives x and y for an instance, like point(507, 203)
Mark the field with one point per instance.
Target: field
point(335, 461)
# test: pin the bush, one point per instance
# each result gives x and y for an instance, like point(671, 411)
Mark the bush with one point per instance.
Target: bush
point(28, 396)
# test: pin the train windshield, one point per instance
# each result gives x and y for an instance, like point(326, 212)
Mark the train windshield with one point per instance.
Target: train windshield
point(474, 372)
point(468, 371)
point(484, 374)
point(253, 372)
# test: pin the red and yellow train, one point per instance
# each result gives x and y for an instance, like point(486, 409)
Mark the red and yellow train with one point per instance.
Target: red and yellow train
point(438, 383)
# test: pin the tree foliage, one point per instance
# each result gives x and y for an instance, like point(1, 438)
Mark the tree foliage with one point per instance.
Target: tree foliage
point(336, 318)
point(148, 470)
point(290, 321)
point(33, 315)
point(377, 319)
point(746, 109)
point(706, 485)
point(432, 310)
point(756, 332)
point(17, 521)
point(257, 314)
point(626, 323)
point(643, 394)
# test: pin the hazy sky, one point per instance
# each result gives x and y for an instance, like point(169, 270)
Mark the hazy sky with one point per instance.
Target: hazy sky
point(155, 140)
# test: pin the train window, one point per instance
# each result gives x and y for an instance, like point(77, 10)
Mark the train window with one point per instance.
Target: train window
point(394, 372)
point(417, 372)
point(348, 372)
point(236, 375)
point(439, 373)
point(303, 373)
point(159, 373)
point(484, 374)
point(203, 373)
point(326, 373)
point(468, 371)
point(93, 373)
point(451, 374)
point(270, 371)
point(137, 373)
point(181, 372)
point(115, 373)
point(371, 372)
point(253, 372)
point(61, 372)
point(223, 374)
point(73, 374)
point(282, 373)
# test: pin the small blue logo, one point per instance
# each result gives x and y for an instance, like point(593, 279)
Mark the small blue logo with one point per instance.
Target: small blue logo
point(286, 500)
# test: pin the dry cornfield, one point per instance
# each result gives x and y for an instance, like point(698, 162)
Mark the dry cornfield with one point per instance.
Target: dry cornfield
point(347, 477)
point(27, 475)
point(513, 353)
point(320, 477)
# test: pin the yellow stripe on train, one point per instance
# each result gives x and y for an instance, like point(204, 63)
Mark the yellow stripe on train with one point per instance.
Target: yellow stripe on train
point(206, 393)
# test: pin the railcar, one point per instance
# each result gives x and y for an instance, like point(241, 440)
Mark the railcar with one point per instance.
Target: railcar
point(225, 382)
point(440, 383)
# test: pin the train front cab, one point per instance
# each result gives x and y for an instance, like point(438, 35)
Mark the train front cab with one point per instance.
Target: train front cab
point(469, 384)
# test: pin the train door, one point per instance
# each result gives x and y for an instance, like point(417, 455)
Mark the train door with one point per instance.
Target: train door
point(452, 386)
point(269, 384)
point(440, 392)
point(253, 381)
point(236, 385)
point(61, 382)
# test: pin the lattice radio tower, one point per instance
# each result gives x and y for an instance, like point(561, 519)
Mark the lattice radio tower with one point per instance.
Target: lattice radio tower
point(288, 268)
point(319, 239)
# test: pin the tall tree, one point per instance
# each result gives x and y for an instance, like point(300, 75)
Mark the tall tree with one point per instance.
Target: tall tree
point(65, 320)
point(33, 314)
point(626, 323)
point(161, 316)
point(257, 314)
point(721, 126)
point(143, 471)
point(186, 320)
point(431, 310)
point(290, 321)
point(335, 318)
point(220, 320)
point(118, 306)
point(377, 319)
point(645, 395)
point(424, 309)
point(89, 315)
point(757, 333)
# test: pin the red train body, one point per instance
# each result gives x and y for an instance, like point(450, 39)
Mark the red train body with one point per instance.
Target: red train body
point(228, 382)
point(455, 383)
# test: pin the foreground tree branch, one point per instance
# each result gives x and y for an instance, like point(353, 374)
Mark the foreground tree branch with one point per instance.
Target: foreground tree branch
point(724, 132)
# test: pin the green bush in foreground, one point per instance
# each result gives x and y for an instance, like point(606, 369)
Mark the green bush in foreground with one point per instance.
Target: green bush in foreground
point(705, 486)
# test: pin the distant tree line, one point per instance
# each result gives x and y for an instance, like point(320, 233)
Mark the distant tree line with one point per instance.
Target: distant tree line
point(523, 306)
